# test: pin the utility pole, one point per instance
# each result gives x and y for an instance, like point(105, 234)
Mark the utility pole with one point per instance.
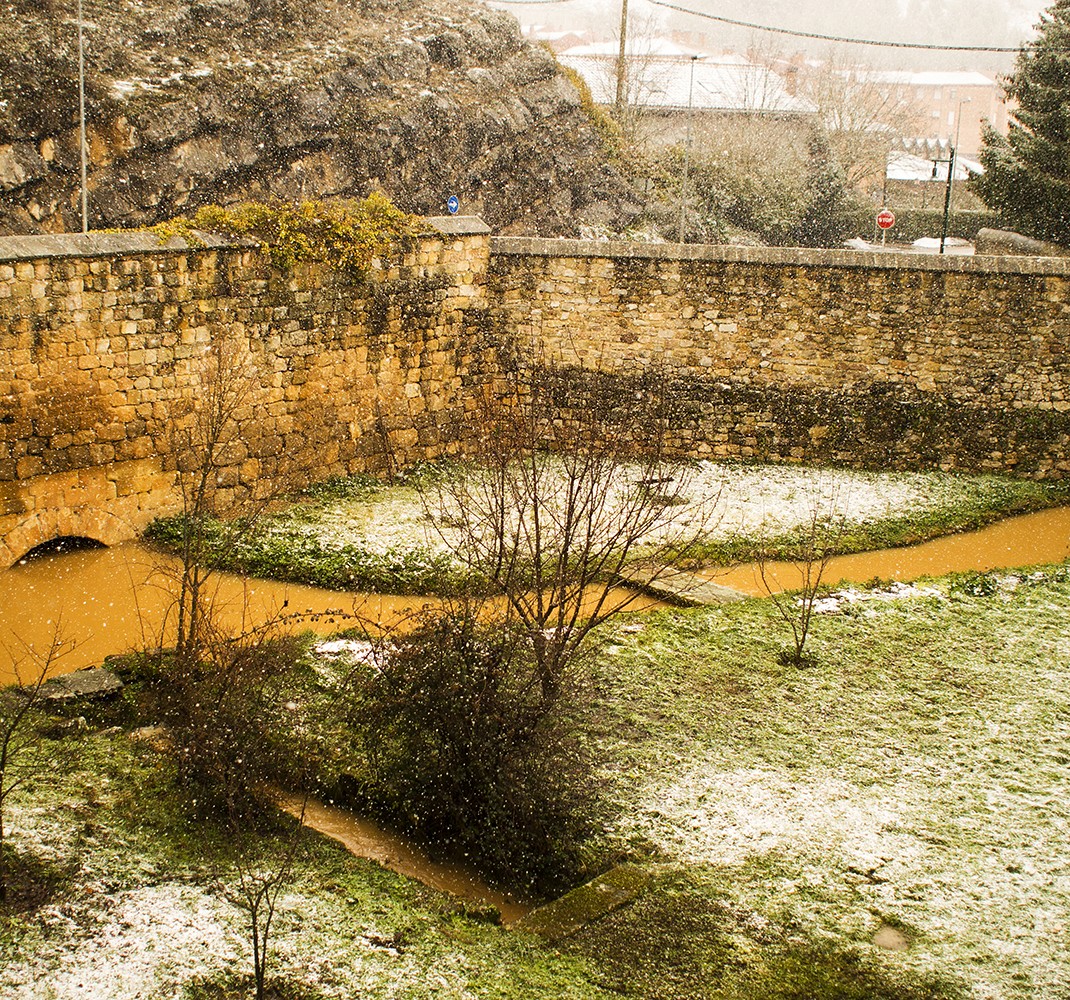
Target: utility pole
point(621, 57)
point(82, 145)
point(687, 151)
point(951, 171)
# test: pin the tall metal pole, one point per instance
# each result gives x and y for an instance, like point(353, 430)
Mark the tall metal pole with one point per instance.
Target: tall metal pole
point(621, 57)
point(83, 146)
point(947, 196)
point(687, 152)
point(951, 170)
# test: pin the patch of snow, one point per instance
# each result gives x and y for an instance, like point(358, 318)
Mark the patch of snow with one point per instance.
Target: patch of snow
point(143, 940)
point(724, 817)
point(833, 604)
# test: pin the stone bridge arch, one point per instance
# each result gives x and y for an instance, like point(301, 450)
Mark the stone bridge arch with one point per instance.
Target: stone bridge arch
point(45, 526)
point(109, 504)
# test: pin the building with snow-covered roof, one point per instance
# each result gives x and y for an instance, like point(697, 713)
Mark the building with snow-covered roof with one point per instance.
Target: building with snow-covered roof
point(666, 83)
point(948, 104)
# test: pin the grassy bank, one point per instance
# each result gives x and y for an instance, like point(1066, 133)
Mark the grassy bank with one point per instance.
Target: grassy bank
point(360, 534)
point(909, 789)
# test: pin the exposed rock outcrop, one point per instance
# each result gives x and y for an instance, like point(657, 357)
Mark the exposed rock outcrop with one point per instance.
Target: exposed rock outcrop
point(198, 101)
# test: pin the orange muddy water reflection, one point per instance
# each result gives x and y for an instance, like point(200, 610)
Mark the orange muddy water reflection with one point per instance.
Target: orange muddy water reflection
point(115, 600)
point(1018, 541)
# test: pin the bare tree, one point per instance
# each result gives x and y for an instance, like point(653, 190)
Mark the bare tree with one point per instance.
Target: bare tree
point(865, 113)
point(220, 690)
point(817, 545)
point(265, 867)
point(22, 746)
point(570, 491)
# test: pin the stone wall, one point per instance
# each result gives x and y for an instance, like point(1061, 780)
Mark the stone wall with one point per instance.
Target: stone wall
point(104, 344)
point(821, 356)
point(885, 360)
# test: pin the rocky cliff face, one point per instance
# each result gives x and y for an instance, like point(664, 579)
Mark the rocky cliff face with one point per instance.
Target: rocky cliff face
point(197, 101)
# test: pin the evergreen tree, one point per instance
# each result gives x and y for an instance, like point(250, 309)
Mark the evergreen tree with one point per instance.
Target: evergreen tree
point(1027, 174)
point(827, 218)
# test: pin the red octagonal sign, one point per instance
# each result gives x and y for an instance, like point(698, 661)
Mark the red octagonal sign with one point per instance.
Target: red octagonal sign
point(885, 219)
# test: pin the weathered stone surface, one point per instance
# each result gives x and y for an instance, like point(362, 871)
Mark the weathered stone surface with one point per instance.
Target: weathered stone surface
point(19, 164)
point(1002, 241)
point(821, 356)
point(93, 683)
point(102, 341)
point(789, 355)
point(585, 905)
point(222, 100)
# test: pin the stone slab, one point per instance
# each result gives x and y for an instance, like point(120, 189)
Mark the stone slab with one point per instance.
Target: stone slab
point(96, 244)
point(586, 904)
point(458, 225)
point(95, 682)
point(680, 587)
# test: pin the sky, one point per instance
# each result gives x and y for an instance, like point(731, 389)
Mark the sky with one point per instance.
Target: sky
point(1002, 23)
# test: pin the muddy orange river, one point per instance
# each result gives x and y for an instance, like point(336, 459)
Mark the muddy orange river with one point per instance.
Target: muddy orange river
point(1028, 540)
point(103, 601)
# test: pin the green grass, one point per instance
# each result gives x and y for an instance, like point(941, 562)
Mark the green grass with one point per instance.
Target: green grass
point(915, 779)
point(970, 503)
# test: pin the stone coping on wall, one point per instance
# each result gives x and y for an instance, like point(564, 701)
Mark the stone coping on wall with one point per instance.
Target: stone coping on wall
point(458, 225)
point(784, 256)
point(101, 244)
point(14, 248)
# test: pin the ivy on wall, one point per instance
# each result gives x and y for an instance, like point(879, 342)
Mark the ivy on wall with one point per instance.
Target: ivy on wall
point(345, 234)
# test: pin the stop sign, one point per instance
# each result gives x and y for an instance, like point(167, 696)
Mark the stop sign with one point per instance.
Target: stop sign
point(885, 219)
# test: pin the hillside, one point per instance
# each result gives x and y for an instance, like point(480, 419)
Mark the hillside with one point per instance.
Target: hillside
point(222, 100)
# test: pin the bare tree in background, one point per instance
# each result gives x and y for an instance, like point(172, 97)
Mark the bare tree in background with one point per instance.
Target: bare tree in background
point(865, 114)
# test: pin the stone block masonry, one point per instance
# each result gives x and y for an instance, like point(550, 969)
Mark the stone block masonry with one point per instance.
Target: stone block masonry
point(893, 361)
point(881, 360)
point(103, 345)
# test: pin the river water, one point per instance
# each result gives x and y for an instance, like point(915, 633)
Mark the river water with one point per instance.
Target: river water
point(104, 601)
point(1028, 540)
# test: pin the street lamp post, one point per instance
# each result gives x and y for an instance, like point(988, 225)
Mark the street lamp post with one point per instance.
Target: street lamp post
point(951, 169)
point(687, 152)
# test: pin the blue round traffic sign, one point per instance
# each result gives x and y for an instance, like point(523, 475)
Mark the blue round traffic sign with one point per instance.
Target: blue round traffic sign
point(453, 203)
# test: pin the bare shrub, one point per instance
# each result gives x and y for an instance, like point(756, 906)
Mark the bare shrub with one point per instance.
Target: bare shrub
point(25, 751)
point(464, 751)
point(569, 492)
point(815, 546)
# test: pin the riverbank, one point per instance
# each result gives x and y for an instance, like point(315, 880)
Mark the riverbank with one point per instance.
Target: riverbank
point(890, 825)
point(399, 538)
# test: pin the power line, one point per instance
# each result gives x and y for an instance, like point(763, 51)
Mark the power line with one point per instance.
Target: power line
point(789, 31)
point(833, 38)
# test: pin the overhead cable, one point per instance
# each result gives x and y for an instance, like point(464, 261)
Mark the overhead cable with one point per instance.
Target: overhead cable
point(834, 38)
point(790, 31)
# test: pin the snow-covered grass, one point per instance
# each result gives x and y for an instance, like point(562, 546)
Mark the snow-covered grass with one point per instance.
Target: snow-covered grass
point(408, 534)
point(731, 499)
point(915, 779)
